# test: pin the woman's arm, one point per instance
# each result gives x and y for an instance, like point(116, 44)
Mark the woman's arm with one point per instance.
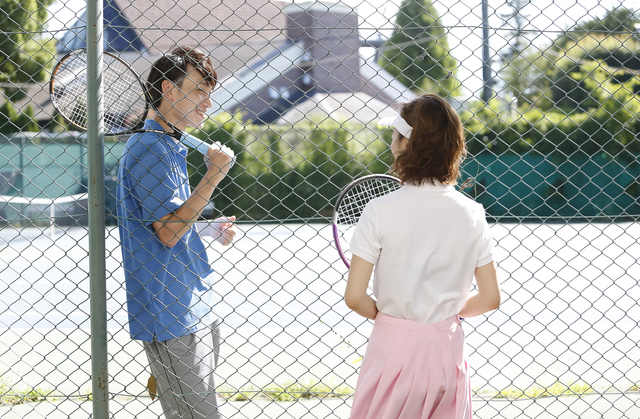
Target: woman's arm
point(488, 296)
point(356, 295)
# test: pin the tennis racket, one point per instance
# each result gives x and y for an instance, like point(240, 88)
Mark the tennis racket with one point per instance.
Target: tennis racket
point(350, 205)
point(126, 103)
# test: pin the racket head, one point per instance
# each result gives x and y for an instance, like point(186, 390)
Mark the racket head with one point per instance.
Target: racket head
point(351, 203)
point(124, 99)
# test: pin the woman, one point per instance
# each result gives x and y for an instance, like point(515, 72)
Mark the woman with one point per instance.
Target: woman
point(427, 241)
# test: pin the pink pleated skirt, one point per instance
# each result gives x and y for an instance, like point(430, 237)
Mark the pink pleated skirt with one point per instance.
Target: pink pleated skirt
point(413, 370)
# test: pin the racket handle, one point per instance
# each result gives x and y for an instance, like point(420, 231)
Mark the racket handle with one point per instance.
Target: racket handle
point(201, 146)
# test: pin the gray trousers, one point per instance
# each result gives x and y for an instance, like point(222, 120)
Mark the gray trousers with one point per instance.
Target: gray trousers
point(184, 370)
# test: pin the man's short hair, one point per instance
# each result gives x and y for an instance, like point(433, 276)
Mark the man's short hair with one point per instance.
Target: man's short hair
point(173, 67)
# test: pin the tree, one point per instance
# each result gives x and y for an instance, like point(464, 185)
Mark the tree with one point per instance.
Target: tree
point(619, 22)
point(13, 121)
point(417, 53)
point(593, 60)
point(24, 53)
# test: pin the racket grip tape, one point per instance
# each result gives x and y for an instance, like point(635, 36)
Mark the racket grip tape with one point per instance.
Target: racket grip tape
point(201, 146)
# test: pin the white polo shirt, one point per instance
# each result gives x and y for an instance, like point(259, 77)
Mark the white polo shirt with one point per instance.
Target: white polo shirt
point(426, 242)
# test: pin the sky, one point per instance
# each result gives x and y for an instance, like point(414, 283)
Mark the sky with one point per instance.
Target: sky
point(463, 18)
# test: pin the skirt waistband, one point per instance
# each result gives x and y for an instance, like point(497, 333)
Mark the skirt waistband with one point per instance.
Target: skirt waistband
point(440, 327)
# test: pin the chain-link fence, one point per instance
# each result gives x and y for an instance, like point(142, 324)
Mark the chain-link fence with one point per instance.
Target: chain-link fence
point(547, 92)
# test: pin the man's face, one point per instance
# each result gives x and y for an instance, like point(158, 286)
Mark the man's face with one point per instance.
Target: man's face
point(188, 101)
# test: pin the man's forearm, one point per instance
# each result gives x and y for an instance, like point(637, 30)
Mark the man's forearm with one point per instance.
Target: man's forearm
point(171, 228)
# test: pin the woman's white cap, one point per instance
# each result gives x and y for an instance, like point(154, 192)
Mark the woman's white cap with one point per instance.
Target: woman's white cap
point(398, 123)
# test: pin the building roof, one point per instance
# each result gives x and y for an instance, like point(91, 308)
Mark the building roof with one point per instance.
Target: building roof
point(255, 77)
point(158, 25)
point(273, 61)
point(355, 106)
point(165, 23)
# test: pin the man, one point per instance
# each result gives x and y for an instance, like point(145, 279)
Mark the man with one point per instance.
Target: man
point(169, 294)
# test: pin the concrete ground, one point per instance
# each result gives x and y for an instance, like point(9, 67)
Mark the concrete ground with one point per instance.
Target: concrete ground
point(585, 407)
point(570, 313)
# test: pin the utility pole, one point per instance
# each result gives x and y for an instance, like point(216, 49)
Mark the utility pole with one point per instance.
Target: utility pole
point(487, 82)
point(95, 162)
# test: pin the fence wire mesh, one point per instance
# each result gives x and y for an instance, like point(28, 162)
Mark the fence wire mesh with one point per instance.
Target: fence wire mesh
point(548, 94)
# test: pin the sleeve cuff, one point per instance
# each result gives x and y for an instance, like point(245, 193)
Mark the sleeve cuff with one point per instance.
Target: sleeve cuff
point(364, 255)
point(484, 261)
point(170, 207)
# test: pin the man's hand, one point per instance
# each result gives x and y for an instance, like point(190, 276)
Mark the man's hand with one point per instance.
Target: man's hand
point(218, 159)
point(221, 229)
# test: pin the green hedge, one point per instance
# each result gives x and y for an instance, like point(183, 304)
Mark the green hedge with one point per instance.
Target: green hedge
point(539, 165)
point(611, 129)
point(554, 164)
point(291, 173)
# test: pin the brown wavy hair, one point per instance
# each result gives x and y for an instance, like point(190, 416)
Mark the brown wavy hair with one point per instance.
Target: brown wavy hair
point(436, 147)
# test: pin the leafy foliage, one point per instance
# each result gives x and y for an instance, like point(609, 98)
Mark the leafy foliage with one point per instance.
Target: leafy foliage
point(585, 66)
point(25, 57)
point(24, 54)
point(13, 121)
point(619, 21)
point(417, 53)
point(284, 173)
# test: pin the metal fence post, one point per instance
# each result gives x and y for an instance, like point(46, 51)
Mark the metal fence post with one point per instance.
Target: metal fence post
point(486, 60)
point(97, 265)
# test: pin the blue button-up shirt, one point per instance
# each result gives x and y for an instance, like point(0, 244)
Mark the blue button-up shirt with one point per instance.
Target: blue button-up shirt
point(167, 292)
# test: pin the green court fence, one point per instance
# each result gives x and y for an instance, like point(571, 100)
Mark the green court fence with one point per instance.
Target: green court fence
point(549, 97)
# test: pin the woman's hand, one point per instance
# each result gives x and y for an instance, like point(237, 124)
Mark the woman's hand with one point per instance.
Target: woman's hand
point(356, 295)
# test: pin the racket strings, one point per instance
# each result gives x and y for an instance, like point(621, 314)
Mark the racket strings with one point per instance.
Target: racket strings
point(124, 103)
point(70, 89)
point(358, 197)
point(353, 203)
